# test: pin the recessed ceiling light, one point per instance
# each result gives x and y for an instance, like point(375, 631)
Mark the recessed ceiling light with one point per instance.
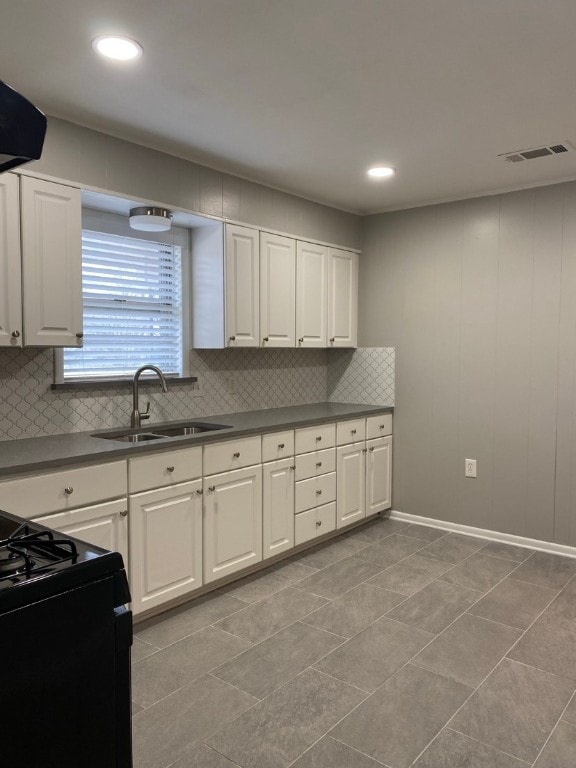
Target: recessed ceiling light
point(119, 48)
point(381, 171)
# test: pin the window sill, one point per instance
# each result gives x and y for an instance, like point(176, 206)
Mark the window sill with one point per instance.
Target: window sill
point(67, 386)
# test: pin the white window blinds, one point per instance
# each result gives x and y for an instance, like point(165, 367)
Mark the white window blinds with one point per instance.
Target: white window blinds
point(132, 293)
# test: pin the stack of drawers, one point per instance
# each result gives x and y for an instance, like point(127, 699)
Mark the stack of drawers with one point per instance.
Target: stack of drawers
point(315, 493)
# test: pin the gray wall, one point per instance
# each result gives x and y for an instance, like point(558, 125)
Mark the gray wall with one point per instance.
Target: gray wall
point(97, 160)
point(479, 299)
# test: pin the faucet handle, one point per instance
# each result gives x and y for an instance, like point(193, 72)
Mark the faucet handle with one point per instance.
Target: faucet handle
point(146, 414)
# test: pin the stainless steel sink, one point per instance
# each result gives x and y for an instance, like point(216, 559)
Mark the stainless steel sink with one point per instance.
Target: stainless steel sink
point(189, 428)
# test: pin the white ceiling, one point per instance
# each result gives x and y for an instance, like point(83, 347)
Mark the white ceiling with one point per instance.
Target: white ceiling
point(304, 95)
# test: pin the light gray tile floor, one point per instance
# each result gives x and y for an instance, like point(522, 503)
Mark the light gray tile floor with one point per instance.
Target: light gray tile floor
point(389, 647)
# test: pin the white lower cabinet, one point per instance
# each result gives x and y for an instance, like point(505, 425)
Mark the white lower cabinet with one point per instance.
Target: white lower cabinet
point(104, 525)
point(379, 474)
point(232, 521)
point(277, 507)
point(165, 544)
point(351, 485)
point(314, 522)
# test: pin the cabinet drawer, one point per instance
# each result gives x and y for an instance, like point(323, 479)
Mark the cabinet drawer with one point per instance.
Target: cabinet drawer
point(314, 464)
point(350, 431)
point(232, 454)
point(37, 495)
point(313, 438)
point(315, 522)
point(310, 493)
point(378, 426)
point(278, 445)
point(162, 469)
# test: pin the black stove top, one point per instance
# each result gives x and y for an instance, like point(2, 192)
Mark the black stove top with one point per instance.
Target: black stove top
point(36, 562)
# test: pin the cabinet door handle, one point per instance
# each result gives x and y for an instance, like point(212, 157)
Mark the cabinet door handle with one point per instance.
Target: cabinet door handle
point(232, 338)
point(265, 339)
point(318, 523)
point(211, 488)
point(79, 335)
point(301, 340)
point(170, 469)
point(318, 463)
point(15, 334)
point(281, 445)
point(292, 468)
point(68, 490)
point(382, 426)
point(318, 492)
point(353, 431)
point(371, 449)
point(332, 340)
point(319, 438)
point(199, 492)
point(123, 513)
point(364, 450)
point(236, 455)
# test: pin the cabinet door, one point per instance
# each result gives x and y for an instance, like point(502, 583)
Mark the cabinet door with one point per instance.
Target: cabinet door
point(232, 522)
point(51, 264)
point(342, 298)
point(379, 475)
point(165, 544)
point(350, 473)
point(242, 287)
point(277, 290)
point(278, 507)
point(311, 286)
point(10, 277)
point(104, 525)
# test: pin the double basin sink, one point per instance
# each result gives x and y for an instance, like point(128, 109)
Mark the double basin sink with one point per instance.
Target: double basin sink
point(182, 430)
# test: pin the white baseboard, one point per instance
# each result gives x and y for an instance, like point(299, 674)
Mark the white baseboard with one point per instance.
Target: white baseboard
point(482, 533)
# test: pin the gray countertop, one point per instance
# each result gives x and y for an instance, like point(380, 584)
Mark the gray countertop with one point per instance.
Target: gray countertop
point(37, 453)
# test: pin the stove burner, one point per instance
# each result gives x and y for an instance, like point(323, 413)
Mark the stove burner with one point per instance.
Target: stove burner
point(13, 562)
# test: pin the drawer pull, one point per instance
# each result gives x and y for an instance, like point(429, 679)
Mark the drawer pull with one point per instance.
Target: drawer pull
point(301, 340)
point(211, 488)
point(332, 340)
point(123, 513)
point(371, 449)
point(382, 426)
point(265, 339)
point(199, 492)
point(15, 334)
point(353, 431)
point(170, 469)
point(292, 468)
point(68, 490)
point(318, 463)
point(319, 438)
point(318, 492)
point(79, 335)
point(237, 455)
point(364, 450)
point(318, 523)
point(281, 445)
point(232, 338)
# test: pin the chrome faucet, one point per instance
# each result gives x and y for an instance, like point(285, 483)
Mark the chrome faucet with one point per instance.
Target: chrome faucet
point(136, 417)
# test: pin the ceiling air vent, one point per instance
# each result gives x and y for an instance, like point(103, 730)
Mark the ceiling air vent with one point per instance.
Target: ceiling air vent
point(531, 154)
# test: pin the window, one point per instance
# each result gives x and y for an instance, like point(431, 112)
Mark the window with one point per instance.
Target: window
point(132, 295)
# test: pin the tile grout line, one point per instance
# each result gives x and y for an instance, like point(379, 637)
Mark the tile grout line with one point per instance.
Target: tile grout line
point(478, 741)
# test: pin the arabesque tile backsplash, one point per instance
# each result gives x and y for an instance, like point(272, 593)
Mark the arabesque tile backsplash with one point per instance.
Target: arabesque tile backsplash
point(229, 380)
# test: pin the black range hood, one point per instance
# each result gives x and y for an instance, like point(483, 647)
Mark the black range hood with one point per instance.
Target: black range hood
point(22, 129)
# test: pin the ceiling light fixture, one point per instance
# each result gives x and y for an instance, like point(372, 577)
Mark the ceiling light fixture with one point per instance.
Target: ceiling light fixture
point(381, 171)
point(118, 48)
point(149, 219)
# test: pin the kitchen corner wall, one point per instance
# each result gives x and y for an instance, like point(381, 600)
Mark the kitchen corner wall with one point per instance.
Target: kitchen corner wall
point(479, 299)
point(363, 376)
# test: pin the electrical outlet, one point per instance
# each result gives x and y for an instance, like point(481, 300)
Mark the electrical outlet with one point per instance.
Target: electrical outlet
point(470, 469)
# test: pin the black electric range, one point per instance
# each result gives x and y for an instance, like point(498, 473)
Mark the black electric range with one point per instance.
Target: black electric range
point(65, 637)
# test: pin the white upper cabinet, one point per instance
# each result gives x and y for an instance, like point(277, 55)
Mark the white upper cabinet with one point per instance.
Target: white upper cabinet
point(277, 290)
point(342, 298)
point(242, 287)
point(311, 296)
point(10, 279)
point(51, 263)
